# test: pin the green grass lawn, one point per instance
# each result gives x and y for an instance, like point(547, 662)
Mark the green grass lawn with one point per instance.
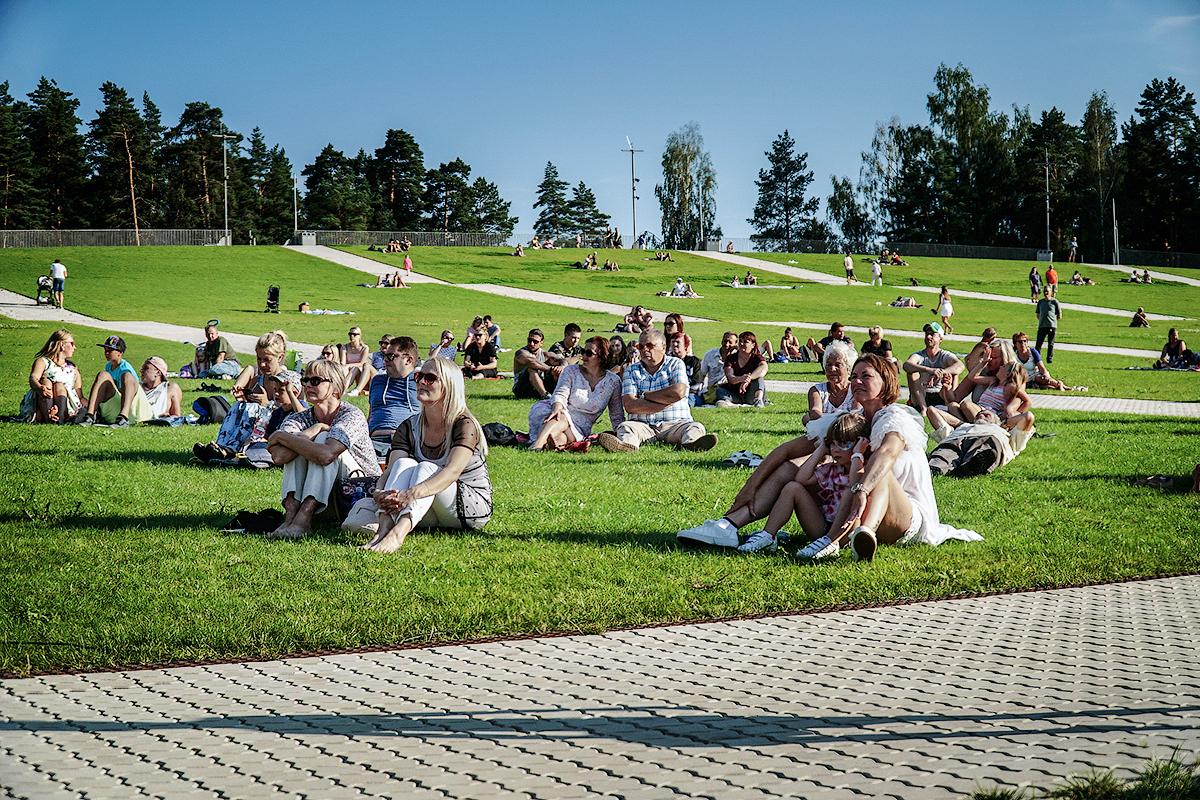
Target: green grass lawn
point(639, 279)
point(110, 554)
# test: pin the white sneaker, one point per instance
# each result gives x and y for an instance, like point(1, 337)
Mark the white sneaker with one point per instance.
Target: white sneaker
point(760, 542)
point(864, 543)
point(714, 532)
point(818, 549)
point(723, 403)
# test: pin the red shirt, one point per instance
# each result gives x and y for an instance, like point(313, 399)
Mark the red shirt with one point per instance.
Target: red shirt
point(1051, 276)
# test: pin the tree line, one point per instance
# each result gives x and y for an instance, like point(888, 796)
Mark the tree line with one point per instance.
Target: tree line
point(975, 175)
point(126, 169)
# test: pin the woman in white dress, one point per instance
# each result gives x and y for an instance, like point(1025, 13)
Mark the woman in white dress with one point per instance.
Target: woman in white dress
point(945, 309)
point(832, 397)
point(582, 394)
point(55, 386)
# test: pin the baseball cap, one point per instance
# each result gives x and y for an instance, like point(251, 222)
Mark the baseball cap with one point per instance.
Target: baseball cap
point(933, 327)
point(212, 323)
point(159, 364)
point(113, 343)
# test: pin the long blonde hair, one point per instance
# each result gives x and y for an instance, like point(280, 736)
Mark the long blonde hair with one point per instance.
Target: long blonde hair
point(454, 400)
point(54, 344)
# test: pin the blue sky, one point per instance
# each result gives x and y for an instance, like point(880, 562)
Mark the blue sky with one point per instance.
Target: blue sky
point(508, 86)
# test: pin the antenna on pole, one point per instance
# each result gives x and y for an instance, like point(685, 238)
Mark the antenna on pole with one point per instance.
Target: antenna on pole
point(633, 181)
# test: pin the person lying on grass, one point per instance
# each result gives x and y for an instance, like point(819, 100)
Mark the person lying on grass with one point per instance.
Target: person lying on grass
point(55, 386)
point(817, 495)
point(437, 474)
point(583, 393)
point(893, 502)
point(117, 397)
point(317, 447)
point(967, 449)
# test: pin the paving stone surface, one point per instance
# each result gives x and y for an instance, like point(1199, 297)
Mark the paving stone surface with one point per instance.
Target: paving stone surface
point(928, 700)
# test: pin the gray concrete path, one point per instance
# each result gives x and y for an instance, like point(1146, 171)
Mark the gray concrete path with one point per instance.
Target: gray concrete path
point(930, 700)
point(20, 307)
point(820, 277)
point(1062, 401)
point(956, 337)
point(1158, 276)
point(577, 303)
point(367, 265)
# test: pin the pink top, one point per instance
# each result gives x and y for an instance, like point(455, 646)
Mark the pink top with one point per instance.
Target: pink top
point(408, 263)
point(993, 398)
point(831, 485)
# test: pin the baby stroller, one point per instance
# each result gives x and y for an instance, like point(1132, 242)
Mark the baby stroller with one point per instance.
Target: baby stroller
point(272, 300)
point(44, 294)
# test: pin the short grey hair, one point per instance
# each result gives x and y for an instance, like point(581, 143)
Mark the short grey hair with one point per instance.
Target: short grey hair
point(332, 371)
point(839, 351)
point(653, 336)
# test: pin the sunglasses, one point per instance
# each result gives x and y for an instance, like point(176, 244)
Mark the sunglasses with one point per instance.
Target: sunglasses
point(427, 378)
point(384, 342)
point(589, 352)
point(313, 381)
point(535, 341)
point(355, 333)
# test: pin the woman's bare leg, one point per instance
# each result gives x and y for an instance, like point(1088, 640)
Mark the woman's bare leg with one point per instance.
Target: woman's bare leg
point(553, 426)
point(889, 511)
point(765, 497)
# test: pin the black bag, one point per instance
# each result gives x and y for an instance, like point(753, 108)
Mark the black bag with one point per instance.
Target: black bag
point(348, 491)
point(211, 409)
point(498, 434)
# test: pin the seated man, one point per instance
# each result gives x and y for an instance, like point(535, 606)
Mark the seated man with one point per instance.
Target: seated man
point(165, 398)
point(220, 360)
point(493, 331)
point(930, 370)
point(479, 359)
point(837, 332)
point(965, 450)
point(533, 378)
point(751, 279)
point(712, 368)
point(117, 397)
point(378, 358)
point(654, 393)
point(393, 392)
point(568, 350)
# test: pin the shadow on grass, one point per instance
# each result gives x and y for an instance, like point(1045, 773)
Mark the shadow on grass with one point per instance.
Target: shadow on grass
point(177, 457)
point(652, 726)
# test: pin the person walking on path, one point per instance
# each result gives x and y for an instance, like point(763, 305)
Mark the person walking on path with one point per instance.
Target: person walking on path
point(876, 273)
point(1049, 312)
point(945, 310)
point(1035, 284)
point(1052, 280)
point(58, 276)
point(848, 263)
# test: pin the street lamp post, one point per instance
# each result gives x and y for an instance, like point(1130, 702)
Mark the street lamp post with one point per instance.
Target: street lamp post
point(225, 137)
point(295, 205)
point(633, 182)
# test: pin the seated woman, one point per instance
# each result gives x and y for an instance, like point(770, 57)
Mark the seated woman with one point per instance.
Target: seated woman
point(672, 328)
point(319, 446)
point(790, 347)
point(1076, 279)
point(611, 266)
point(437, 474)
point(385, 281)
point(55, 385)
point(688, 291)
point(745, 370)
point(1172, 352)
point(638, 320)
point(479, 359)
point(356, 356)
point(1146, 277)
point(165, 398)
point(583, 392)
point(1140, 320)
point(830, 398)
point(984, 375)
point(751, 279)
point(1007, 399)
point(261, 392)
point(535, 242)
point(729, 247)
point(520, 251)
point(618, 356)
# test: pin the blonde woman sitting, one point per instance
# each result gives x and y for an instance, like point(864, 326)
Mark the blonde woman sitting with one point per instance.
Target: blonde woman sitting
point(437, 474)
point(55, 386)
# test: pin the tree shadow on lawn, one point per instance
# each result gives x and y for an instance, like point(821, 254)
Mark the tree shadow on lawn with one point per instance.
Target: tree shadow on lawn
point(669, 726)
point(178, 457)
point(108, 524)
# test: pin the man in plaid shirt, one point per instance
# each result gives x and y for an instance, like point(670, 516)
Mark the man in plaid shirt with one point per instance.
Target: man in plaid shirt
point(654, 390)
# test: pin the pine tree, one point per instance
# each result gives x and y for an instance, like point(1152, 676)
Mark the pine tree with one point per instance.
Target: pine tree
point(21, 206)
point(783, 214)
point(1054, 142)
point(192, 166)
point(117, 150)
point(585, 217)
point(686, 195)
point(52, 127)
point(447, 199)
point(850, 216)
point(490, 211)
point(397, 177)
point(554, 219)
point(275, 216)
point(154, 183)
point(335, 198)
point(1099, 132)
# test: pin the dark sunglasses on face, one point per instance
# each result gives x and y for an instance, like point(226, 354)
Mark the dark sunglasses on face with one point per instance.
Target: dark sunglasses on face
point(390, 356)
point(313, 381)
point(589, 352)
point(535, 341)
point(356, 333)
point(427, 378)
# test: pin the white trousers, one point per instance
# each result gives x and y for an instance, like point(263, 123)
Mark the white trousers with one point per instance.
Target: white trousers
point(437, 511)
point(305, 479)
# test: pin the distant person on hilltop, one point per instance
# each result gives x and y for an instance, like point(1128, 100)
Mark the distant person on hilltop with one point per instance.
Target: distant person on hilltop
point(1073, 254)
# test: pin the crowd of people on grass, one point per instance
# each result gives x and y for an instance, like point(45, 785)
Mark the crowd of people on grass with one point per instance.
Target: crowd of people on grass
point(857, 477)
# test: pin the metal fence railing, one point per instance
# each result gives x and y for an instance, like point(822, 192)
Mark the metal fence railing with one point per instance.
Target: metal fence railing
point(934, 250)
point(113, 237)
point(418, 238)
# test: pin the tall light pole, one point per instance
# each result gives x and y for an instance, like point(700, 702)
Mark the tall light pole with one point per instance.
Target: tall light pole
point(295, 205)
point(1048, 201)
point(225, 137)
point(1116, 236)
point(633, 182)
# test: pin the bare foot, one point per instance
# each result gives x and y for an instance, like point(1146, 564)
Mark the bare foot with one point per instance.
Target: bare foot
point(391, 542)
point(286, 531)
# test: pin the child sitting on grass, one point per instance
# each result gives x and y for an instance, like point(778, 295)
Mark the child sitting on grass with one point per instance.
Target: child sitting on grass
point(834, 465)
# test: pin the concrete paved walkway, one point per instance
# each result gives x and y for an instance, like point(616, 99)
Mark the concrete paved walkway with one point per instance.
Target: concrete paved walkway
point(367, 265)
point(820, 277)
point(1158, 276)
point(930, 700)
point(1062, 401)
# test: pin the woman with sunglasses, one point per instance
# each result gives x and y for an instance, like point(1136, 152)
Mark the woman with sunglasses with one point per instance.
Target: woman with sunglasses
point(672, 327)
point(582, 394)
point(317, 447)
point(437, 474)
point(356, 355)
